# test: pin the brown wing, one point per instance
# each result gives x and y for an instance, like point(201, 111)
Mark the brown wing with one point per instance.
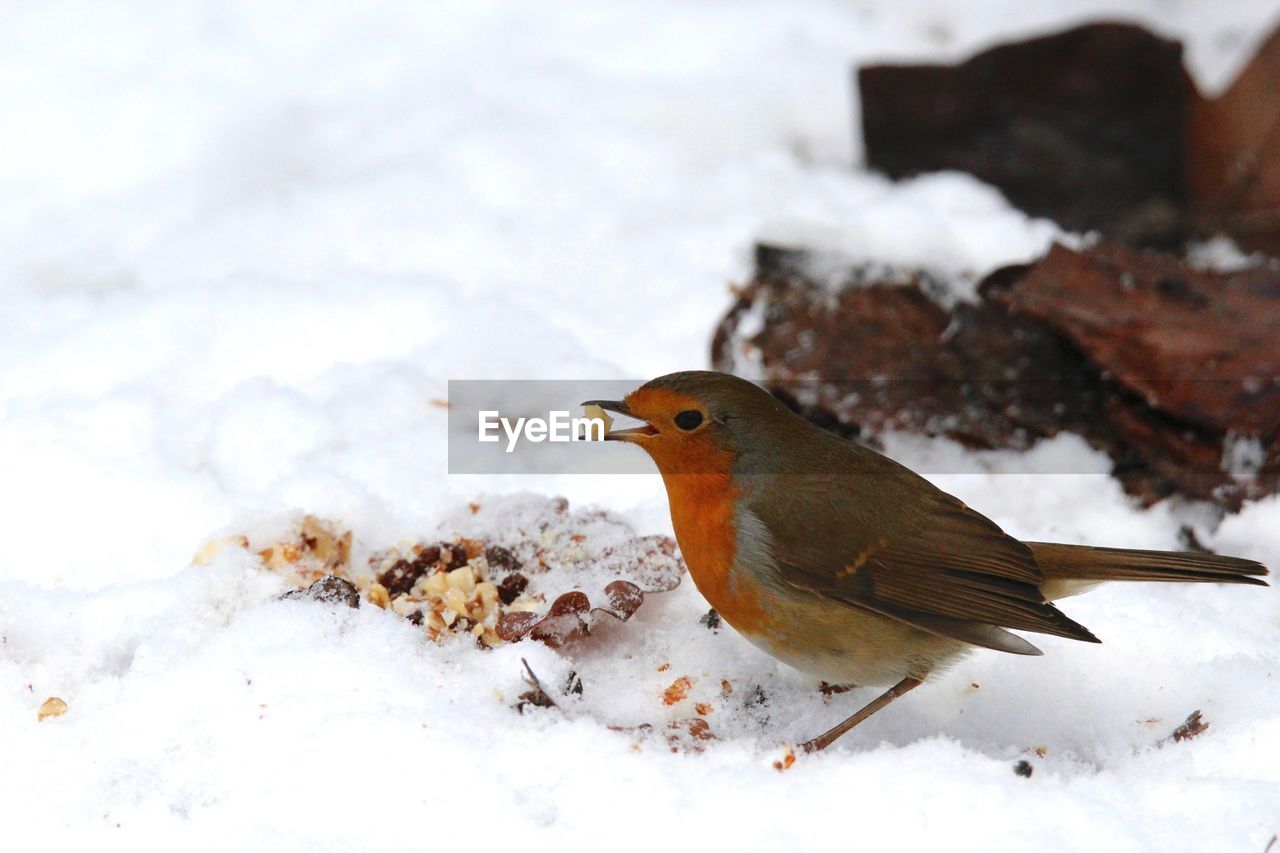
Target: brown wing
point(914, 553)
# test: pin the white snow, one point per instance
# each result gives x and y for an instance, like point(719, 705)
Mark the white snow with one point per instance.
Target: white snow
point(243, 248)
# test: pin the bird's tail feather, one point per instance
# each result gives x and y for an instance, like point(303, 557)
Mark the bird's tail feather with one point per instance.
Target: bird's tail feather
point(1072, 563)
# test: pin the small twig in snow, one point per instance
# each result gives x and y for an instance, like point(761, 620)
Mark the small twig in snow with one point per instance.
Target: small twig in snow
point(536, 695)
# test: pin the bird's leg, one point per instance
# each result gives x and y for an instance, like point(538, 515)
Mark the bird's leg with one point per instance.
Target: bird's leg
point(830, 736)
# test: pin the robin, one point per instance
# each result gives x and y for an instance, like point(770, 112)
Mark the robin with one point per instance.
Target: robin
point(847, 565)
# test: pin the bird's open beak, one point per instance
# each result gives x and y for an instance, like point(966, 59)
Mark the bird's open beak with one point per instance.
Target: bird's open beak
point(623, 409)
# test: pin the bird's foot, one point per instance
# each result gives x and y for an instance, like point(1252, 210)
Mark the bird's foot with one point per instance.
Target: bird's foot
point(827, 689)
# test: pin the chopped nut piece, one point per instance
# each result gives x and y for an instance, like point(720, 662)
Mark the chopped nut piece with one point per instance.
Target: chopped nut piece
point(445, 586)
point(501, 558)
point(378, 596)
point(51, 707)
point(524, 605)
point(511, 587)
point(455, 600)
point(463, 579)
point(322, 540)
point(431, 586)
point(487, 594)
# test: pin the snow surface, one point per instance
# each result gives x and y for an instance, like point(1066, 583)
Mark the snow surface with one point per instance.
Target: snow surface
point(245, 245)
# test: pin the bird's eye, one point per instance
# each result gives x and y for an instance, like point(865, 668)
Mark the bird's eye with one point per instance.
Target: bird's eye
point(689, 419)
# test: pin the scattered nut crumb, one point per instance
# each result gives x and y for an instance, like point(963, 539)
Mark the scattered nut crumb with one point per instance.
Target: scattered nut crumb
point(784, 763)
point(51, 707)
point(677, 691)
point(699, 729)
point(320, 549)
point(685, 734)
point(511, 587)
point(463, 586)
point(703, 708)
point(214, 547)
point(1192, 727)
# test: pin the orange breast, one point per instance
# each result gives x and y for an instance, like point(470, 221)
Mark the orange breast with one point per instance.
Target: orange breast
point(702, 512)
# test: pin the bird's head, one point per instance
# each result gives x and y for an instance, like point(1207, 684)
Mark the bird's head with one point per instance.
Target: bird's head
point(698, 421)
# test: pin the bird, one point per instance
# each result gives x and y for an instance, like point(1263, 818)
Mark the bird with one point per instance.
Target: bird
point(847, 565)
